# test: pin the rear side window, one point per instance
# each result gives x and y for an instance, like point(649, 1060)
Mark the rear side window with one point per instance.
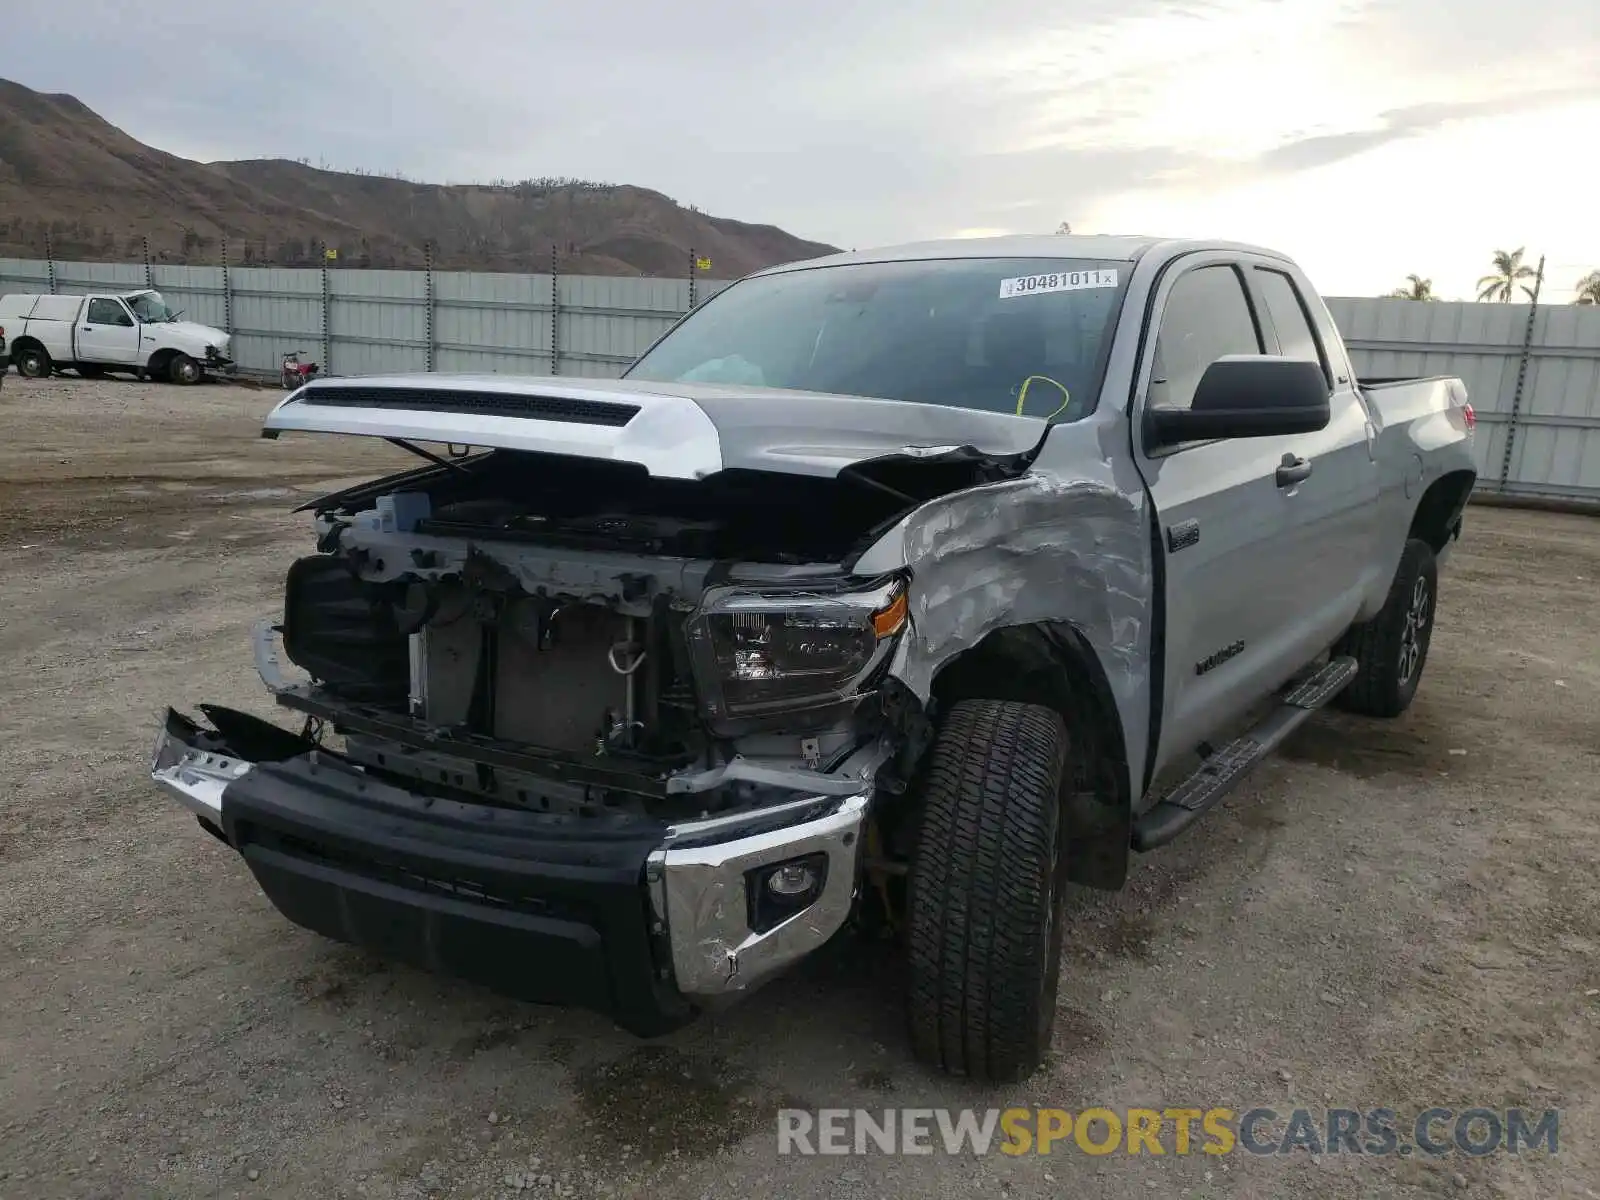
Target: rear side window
point(1296, 339)
point(107, 312)
point(1206, 318)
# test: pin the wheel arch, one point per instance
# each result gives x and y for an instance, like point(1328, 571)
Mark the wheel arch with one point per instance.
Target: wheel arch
point(1051, 663)
point(160, 362)
point(1439, 509)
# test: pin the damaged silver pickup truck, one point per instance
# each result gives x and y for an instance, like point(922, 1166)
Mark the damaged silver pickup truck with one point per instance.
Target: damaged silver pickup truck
point(882, 587)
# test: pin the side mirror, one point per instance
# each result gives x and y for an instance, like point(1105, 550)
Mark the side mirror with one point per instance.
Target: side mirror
point(1246, 395)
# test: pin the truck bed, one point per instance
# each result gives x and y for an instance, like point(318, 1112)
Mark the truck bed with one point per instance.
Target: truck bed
point(1373, 383)
point(1399, 400)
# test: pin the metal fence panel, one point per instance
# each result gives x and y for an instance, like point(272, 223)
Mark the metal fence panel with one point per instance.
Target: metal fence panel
point(492, 323)
point(1566, 359)
point(605, 323)
point(1481, 343)
point(275, 310)
point(1536, 388)
point(23, 275)
point(377, 322)
point(1557, 447)
point(194, 292)
point(78, 278)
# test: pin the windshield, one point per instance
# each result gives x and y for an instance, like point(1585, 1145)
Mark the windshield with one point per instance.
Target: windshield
point(150, 308)
point(1006, 335)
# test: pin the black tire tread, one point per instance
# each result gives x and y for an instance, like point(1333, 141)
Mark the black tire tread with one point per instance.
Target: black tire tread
point(1376, 690)
point(48, 366)
point(981, 889)
point(173, 370)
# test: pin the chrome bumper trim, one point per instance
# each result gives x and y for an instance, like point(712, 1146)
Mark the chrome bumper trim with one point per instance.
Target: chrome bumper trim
point(701, 893)
point(195, 778)
point(697, 890)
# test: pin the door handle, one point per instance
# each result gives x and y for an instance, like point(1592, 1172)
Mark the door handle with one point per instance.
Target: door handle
point(1293, 470)
point(88, 328)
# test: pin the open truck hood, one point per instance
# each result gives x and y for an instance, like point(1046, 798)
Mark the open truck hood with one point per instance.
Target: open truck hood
point(673, 430)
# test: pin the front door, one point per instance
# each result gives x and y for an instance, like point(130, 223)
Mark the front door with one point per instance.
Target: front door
point(1232, 549)
point(108, 333)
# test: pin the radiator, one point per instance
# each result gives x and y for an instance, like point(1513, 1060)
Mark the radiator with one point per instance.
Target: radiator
point(558, 693)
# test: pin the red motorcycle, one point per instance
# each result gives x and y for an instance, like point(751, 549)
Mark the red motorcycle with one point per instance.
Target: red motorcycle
point(295, 372)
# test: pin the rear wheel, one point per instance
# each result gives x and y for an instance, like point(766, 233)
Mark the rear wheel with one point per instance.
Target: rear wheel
point(984, 910)
point(32, 362)
point(183, 370)
point(1392, 648)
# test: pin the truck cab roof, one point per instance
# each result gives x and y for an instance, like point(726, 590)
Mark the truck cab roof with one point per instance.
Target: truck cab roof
point(1103, 247)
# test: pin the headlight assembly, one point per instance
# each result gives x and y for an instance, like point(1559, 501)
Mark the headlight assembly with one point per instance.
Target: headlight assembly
point(762, 656)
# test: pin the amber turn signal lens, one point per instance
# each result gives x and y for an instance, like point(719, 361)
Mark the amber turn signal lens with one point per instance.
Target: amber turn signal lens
point(888, 621)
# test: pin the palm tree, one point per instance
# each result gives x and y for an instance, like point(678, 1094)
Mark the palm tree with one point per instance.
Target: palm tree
point(1588, 291)
point(1417, 288)
point(1508, 269)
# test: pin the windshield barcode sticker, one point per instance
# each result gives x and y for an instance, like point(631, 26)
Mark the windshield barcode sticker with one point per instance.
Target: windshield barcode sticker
point(1057, 281)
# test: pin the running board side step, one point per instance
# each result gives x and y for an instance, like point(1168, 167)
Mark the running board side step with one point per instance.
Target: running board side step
point(1223, 770)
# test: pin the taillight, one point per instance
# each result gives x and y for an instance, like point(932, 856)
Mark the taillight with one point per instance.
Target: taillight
point(1469, 416)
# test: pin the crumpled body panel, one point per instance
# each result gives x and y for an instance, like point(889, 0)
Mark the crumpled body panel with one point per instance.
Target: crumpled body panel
point(1068, 542)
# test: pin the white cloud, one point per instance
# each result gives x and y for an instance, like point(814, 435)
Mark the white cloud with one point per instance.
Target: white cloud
point(1374, 137)
point(981, 232)
point(1438, 204)
point(1225, 78)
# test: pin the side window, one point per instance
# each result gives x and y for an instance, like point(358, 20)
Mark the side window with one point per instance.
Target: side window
point(1207, 317)
point(107, 312)
point(1296, 338)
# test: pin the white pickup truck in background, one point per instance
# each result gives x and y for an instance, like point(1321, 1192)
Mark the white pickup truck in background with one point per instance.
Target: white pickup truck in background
point(129, 331)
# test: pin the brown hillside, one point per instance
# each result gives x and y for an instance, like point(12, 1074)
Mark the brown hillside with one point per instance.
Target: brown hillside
point(98, 193)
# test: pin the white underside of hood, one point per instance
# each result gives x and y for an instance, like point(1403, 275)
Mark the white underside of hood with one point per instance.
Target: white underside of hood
point(673, 430)
point(669, 436)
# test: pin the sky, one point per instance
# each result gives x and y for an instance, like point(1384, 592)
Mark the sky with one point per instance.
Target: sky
point(1370, 139)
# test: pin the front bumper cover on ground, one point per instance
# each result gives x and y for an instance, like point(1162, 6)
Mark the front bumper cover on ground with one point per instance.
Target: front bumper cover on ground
point(630, 917)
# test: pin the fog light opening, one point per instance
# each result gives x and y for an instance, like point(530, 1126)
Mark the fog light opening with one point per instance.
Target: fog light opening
point(779, 890)
point(792, 880)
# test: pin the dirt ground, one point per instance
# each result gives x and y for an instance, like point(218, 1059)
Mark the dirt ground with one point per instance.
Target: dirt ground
point(1387, 915)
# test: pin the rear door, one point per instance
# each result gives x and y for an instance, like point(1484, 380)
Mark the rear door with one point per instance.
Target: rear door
point(107, 333)
point(1232, 551)
point(1334, 511)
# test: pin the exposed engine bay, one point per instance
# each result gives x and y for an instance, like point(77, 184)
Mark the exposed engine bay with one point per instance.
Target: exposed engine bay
point(582, 638)
point(734, 515)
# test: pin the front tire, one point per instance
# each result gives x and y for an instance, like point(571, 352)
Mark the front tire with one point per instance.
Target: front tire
point(1392, 648)
point(183, 370)
point(32, 362)
point(984, 911)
